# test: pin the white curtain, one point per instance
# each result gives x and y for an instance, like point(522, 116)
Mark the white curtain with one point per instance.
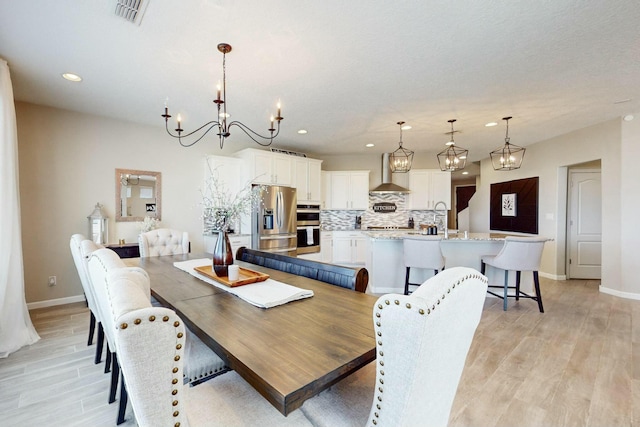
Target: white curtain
point(16, 329)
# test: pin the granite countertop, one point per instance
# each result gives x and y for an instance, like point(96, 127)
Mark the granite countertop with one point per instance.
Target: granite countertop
point(400, 234)
point(323, 228)
point(230, 235)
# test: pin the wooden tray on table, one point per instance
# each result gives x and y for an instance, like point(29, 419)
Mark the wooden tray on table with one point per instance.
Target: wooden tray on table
point(245, 276)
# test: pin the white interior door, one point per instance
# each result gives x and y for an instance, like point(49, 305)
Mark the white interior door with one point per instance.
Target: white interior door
point(585, 225)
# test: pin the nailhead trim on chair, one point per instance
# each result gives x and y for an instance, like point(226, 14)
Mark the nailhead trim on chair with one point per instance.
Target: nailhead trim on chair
point(408, 306)
point(175, 370)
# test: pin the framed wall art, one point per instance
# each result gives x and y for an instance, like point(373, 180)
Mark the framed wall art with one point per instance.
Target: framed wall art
point(509, 204)
point(514, 206)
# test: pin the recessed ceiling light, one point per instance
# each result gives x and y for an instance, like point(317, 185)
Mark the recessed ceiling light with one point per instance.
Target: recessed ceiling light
point(406, 127)
point(370, 145)
point(628, 117)
point(491, 124)
point(302, 131)
point(72, 77)
point(622, 101)
point(465, 173)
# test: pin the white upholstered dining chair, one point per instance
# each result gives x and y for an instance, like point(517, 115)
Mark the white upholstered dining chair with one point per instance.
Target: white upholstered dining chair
point(151, 345)
point(94, 316)
point(422, 341)
point(201, 362)
point(99, 263)
point(163, 241)
point(518, 254)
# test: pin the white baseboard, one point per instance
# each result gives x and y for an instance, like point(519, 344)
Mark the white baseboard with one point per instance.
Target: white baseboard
point(627, 295)
point(57, 301)
point(552, 276)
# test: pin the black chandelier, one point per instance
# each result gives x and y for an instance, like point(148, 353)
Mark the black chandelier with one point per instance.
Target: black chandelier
point(221, 123)
point(509, 156)
point(452, 158)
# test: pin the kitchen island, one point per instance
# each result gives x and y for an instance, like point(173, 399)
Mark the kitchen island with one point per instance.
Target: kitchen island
point(386, 266)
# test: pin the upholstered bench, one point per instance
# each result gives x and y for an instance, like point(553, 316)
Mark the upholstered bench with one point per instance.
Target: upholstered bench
point(346, 277)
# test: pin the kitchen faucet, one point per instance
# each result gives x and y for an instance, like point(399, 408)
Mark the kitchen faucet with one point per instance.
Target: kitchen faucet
point(445, 215)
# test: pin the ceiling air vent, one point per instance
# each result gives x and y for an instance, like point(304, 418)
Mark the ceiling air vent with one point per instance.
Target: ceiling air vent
point(131, 10)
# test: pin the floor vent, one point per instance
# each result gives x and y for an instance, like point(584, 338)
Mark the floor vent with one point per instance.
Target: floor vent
point(131, 10)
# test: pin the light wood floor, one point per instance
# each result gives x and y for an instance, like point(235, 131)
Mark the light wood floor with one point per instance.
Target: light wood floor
point(578, 364)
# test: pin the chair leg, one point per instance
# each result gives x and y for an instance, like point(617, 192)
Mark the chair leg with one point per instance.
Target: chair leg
point(92, 327)
point(124, 397)
point(100, 343)
point(406, 281)
point(518, 285)
point(115, 374)
point(482, 267)
point(107, 363)
point(536, 282)
point(506, 287)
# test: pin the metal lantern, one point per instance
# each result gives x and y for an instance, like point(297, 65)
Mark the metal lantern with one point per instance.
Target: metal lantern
point(401, 159)
point(453, 157)
point(509, 156)
point(98, 225)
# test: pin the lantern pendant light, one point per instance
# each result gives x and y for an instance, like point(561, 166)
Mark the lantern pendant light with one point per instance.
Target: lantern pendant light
point(452, 158)
point(509, 156)
point(401, 159)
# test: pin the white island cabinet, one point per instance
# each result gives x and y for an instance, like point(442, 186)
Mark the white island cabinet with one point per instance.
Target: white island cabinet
point(385, 260)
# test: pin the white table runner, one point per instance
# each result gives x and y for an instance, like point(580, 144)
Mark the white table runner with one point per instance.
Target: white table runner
point(266, 294)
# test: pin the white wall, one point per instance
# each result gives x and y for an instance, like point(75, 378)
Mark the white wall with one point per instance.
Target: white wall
point(614, 142)
point(67, 164)
point(629, 196)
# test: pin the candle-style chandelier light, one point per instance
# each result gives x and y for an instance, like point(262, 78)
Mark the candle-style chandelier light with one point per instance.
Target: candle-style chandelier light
point(223, 126)
point(401, 159)
point(452, 158)
point(509, 156)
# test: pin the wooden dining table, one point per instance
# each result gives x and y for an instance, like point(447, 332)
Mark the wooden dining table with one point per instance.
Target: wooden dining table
point(288, 353)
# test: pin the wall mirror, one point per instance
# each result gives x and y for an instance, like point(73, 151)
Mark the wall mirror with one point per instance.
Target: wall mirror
point(138, 194)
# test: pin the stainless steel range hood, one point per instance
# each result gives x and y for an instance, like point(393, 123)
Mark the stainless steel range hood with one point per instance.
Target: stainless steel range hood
point(388, 187)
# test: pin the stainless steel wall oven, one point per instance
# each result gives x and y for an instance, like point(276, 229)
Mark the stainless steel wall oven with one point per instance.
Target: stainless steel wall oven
point(308, 218)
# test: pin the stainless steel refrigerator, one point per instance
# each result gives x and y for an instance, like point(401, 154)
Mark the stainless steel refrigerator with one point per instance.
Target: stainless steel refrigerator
point(274, 221)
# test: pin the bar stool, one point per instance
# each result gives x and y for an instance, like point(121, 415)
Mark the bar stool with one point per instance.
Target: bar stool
point(518, 254)
point(421, 252)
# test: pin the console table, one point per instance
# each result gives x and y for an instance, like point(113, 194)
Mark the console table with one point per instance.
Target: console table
point(127, 250)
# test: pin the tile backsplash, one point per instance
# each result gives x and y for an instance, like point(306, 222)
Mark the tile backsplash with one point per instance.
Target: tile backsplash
point(346, 219)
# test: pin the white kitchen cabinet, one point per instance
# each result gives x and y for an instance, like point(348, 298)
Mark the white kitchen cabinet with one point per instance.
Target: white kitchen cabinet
point(230, 174)
point(428, 187)
point(325, 202)
point(236, 240)
point(265, 167)
point(349, 190)
point(349, 248)
point(307, 179)
point(315, 256)
point(326, 246)
point(227, 170)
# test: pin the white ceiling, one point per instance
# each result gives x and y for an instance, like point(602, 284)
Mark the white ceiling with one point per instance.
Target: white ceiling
point(346, 71)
